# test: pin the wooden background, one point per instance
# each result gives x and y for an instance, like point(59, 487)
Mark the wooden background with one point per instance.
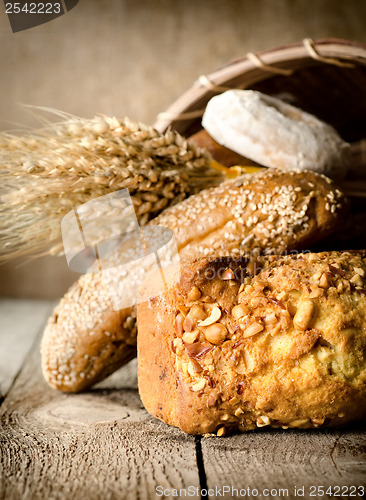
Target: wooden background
point(128, 58)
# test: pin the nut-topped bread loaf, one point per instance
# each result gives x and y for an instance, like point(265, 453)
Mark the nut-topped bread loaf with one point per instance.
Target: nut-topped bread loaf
point(238, 344)
point(272, 211)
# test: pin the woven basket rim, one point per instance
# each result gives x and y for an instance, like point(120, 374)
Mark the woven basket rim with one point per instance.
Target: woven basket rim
point(282, 58)
point(323, 43)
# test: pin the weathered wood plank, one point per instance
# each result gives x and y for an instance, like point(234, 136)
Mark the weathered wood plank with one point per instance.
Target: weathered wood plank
point(100, 444)
point(20, 322)
point(286, 460)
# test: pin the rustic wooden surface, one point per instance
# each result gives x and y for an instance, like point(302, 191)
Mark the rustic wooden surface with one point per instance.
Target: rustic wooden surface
point(103, 444)
point(287, 459)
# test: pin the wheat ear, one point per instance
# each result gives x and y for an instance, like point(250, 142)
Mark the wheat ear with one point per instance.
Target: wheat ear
point(47, 172)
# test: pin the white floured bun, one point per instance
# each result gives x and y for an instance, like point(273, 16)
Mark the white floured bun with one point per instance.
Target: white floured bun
point(274, 133)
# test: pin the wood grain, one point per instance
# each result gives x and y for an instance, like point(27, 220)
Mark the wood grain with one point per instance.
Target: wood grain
point(20, 322)
point(286, 459)
point(100, 444)
point(103, 444)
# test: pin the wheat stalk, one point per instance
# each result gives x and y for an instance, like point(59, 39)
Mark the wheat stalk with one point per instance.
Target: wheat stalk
point(47, 172)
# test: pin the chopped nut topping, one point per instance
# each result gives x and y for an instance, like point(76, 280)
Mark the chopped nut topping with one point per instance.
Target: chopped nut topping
point(263, 421)
point(190, 337)
point(239, 311)
point(179, 324)
point(194, 294)
point(316, 276)
point(238, 412)
point(318, 421)
point(194, 367)
point(212, 400)
point(255, 301)
point(315, 292)
point(323, 282)
point(359, 271)
point(282, 295)
point(199, 386)
point(251, 268)
point(228, 274)
point(184, 368)
point(197, 313)
point(304, 314)
point(207, 299)
point(225, 417)
point(216, 333)
point(280, 304)
point(183, 309)
point(335, 269)
point(299, 423)
point(221, 432)
point(177, 343)
point(197, 349)
point(214, 316)
point(258, 286)
point(271, 318)
point(273, 330)
point(188, 324)
point(356, 280)
point(252, 329)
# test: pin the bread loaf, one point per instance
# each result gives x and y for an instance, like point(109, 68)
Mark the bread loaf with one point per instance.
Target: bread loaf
point(271, 211)
point(239, 344)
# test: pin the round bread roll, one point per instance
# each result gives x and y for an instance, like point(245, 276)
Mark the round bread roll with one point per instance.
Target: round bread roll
point(274, 133)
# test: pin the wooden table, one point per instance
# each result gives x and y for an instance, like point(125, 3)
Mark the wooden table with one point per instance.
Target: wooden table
point(102, 444)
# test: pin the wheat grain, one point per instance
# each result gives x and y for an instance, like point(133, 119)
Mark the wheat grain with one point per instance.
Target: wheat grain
point(47, 172)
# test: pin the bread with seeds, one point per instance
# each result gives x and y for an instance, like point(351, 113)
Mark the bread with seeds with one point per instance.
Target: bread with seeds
point(272, 211)
point(280, 343)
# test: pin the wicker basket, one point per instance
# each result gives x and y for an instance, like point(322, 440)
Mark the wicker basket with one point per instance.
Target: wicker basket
point(325, 77)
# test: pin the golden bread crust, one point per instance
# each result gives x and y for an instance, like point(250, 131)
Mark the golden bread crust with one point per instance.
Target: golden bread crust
point(85, 340)
point(272, 211)
point(292, 352)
